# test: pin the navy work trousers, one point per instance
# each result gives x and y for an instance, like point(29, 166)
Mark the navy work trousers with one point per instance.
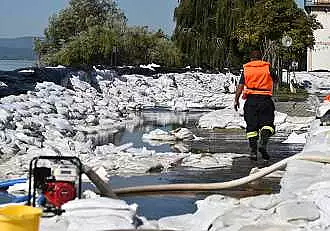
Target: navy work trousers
point(259, 114)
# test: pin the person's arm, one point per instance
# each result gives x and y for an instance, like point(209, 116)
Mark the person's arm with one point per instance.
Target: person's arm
point(239, 90)
point(274, 75)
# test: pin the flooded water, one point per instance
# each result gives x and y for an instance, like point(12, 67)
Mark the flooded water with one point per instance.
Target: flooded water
point(218, 141)
point(159, 205)
point(157, 119)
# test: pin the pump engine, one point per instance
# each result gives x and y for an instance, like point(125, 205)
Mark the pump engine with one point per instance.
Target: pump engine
point(55, 185)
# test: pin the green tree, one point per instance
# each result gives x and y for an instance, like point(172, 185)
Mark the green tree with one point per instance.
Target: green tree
point(204, 31)
point(140, 46)
point(220, 33)
point(90, 47)
point(75, 21)
point(267, 21)
point(90, 32)
point(164, 51)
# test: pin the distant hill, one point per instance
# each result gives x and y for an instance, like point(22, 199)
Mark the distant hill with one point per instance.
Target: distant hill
point(17, 48)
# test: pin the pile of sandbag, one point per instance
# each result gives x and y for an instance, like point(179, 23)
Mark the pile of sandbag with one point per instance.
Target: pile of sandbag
point(99, 214)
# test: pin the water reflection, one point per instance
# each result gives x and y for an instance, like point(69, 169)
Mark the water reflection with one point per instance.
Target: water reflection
point(164, 120)
point(215, 141)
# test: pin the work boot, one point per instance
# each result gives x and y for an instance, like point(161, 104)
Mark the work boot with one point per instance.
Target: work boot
point(253, 143)
point(264, 137)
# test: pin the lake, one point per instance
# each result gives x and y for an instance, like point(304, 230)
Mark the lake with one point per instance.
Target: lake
point(10, 65)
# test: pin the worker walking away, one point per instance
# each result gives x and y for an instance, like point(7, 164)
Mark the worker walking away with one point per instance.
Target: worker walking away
point(256, 83)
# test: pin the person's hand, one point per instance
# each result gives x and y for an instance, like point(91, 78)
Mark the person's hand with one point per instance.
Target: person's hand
point(236, 105)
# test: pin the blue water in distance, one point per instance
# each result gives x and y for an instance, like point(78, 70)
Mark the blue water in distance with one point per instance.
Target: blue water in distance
point(10, 65)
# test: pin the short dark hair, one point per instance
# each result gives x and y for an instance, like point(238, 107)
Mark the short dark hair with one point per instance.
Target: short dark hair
point(255, 54)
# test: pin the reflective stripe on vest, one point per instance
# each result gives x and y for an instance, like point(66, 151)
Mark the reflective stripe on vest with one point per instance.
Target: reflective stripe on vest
point(257, 78)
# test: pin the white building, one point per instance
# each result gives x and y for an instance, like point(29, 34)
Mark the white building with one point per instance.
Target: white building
point(319, 57)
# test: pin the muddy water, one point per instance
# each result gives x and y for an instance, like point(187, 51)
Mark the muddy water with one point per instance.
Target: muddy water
point(219, 141)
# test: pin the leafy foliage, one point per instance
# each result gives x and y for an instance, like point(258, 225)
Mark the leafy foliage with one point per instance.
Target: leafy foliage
point(204, 31)
point(220, 33)
point(264, 25)
point(92, 32)
point(140, 46)
point(209, 33)
point(89, 47)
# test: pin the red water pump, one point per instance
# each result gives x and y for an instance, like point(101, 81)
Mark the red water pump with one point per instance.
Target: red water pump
point(56, 185)
point(58, 193)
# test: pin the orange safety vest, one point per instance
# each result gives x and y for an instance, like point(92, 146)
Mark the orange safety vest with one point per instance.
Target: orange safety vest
point(257, 78)
point(326, 98)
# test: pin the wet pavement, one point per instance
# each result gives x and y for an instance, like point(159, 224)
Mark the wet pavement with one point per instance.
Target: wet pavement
point(295, 108)
point(168, 204)
point(215, 141)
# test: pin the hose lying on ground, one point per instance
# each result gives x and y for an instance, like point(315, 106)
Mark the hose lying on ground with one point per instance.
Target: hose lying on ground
point(222, 185)
point(107, 191)
point(103, 187)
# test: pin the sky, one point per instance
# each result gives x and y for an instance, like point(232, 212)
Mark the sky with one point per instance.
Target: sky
point(30, 17)
point(26, 17)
